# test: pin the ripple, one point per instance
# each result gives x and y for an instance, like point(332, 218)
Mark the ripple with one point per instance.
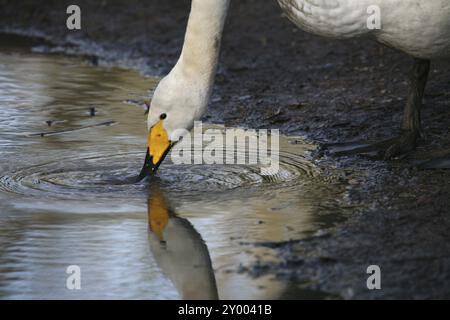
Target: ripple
point(108, 176)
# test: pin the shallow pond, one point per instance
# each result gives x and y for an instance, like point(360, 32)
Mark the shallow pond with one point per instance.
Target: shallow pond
point(189, 233)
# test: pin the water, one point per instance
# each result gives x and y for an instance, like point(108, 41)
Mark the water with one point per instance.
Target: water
point(184, 235)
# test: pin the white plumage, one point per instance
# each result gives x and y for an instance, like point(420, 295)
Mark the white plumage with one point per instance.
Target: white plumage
point(420, 28)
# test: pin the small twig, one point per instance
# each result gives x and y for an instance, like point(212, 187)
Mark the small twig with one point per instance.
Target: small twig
point(50, 133)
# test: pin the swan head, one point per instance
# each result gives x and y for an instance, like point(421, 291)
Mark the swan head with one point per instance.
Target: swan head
point(177, 102)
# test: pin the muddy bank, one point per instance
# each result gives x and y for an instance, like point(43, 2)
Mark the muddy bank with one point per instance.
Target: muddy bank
point(274, 75)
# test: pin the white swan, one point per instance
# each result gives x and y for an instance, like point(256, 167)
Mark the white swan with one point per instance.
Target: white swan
point(417, 27)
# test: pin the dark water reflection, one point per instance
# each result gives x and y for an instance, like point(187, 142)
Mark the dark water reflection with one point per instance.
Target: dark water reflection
point(187, 236)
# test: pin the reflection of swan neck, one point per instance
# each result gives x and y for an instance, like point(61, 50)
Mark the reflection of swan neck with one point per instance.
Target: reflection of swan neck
point(180, 251)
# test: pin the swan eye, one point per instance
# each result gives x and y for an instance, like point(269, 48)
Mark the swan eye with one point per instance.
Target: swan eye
point(163, 116)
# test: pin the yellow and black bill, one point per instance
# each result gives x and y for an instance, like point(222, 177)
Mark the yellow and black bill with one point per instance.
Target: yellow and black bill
point(158, 146)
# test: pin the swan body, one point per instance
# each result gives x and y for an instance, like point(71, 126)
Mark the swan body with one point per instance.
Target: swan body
point(419, 28)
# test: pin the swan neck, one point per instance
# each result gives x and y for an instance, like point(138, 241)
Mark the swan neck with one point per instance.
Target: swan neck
point(203, 37)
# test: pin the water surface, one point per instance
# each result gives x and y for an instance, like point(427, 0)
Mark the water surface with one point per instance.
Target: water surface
point(187, 234)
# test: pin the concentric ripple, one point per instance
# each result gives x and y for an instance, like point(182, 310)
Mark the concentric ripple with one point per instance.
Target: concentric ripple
point(112, 176)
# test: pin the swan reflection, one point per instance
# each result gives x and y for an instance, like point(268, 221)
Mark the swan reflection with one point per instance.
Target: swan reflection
point(179, 250)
